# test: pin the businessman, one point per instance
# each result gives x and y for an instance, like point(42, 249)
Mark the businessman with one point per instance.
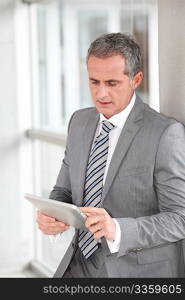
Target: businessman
point(125, 167)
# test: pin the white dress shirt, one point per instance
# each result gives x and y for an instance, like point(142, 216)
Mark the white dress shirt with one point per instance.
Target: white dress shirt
point(118, 121)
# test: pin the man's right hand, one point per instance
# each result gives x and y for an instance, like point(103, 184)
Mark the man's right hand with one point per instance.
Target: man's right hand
point(49, 225)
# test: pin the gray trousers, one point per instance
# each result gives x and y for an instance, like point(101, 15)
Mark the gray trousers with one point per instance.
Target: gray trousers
point(94, 266)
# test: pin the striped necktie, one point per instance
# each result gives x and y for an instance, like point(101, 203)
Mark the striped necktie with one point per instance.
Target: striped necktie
point(94, 183)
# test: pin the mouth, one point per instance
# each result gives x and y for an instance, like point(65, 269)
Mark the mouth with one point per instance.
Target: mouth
point(104, 103)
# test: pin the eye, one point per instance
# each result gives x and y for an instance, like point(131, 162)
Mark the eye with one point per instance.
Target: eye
point(94, 82)
point(112, 83)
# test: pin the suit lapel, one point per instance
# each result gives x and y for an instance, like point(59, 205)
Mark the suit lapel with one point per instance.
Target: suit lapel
point(87, 139)
point(129, 131)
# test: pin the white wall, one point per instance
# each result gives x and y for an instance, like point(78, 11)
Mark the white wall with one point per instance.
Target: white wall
point(9, 170)
point(171, 15)
point(14, 249)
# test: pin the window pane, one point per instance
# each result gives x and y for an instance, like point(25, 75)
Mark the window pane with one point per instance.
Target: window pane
point(136, 22)
point(50, 67)
point(87, 22)
point(52, 252)
point(51, 156)
point(49, 159)
point(91, 25)
point(140, 30)
point(42, 66)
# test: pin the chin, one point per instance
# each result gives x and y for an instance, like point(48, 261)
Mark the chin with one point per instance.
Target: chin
point(106, 114)
point(104, 111)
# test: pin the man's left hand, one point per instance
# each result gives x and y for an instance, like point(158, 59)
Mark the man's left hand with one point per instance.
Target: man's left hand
point(99, 222)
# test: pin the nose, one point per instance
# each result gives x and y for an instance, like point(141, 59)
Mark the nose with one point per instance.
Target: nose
point(102, 91)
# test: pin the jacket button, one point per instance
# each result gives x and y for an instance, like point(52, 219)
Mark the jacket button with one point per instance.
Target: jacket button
point(135, 250)
point(139, 249)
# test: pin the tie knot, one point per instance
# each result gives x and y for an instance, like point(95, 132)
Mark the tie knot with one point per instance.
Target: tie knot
point(106, 127)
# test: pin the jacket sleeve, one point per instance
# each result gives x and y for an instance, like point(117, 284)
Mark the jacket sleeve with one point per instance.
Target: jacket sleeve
point(169, 182)
point(62, 189)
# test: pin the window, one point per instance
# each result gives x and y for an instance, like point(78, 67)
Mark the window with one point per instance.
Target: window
point(61, 32)
point(64, 32)
point(90, 25)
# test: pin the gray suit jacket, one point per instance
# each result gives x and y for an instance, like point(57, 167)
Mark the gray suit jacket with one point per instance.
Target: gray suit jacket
point(144, 190)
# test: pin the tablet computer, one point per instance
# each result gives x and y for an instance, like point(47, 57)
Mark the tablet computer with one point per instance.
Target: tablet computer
point(61, 211)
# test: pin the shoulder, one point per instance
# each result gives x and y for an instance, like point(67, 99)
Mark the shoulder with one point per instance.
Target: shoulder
point(84, 112)
point(155, 116)
point(161, 122)
point(81, 117)
point(168, 132)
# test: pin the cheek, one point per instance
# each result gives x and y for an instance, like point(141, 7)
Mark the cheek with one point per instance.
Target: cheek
point(117, 97)
point(122, 96)
point(92, 90)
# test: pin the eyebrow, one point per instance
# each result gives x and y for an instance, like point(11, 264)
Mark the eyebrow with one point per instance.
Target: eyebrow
point(90, 78)
point(110, 80)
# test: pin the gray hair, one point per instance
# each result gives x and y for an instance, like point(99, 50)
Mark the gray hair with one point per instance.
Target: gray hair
point(112, 44)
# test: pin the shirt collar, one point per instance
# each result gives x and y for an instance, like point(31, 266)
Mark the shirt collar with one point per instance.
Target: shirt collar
point(119, 119)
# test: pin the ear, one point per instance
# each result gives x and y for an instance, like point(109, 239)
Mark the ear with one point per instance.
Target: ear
point(136, 81)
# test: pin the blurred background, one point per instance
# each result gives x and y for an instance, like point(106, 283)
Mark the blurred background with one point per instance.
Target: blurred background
point(43, 80)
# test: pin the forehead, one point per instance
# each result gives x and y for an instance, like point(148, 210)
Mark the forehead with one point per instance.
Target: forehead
point(109, 66)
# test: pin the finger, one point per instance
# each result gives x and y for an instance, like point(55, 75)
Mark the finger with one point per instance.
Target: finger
point(93, 210)
point(47, 225)
point(95, 228)
point(88, 214)
point(49, 231)
point(53, 226)
point(55, 230)
point(62, 225)
point(92, 220)
point(58, 225)
point(44, 220)
point(44, 217)
point(99, 234)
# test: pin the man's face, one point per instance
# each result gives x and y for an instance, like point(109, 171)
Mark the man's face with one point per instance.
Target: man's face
point(110, 88)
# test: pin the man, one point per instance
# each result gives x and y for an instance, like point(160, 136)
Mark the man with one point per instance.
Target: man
point(125, 166)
